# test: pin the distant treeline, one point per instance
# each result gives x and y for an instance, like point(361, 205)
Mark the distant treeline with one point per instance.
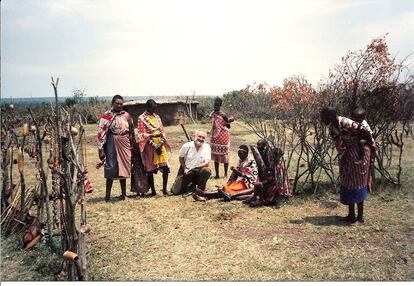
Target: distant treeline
point(86, 99)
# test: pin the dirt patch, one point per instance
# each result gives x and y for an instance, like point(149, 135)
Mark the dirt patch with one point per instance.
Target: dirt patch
point(226, 216)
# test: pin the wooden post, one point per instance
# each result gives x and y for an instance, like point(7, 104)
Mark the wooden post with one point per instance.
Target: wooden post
point(44, 195)
point(20, 162)
point(185, 132)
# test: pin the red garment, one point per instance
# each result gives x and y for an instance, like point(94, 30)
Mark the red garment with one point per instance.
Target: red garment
point(220, 138)
point(282, 179)
point(145, 130)
point(123, 145)
point(249, 173)
point(354, 172)
point(103, 126)
point(270, 191)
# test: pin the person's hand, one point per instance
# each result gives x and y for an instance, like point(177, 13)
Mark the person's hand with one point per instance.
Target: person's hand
point(257, 184)
point(158, 146)
point(159, 150)
point(186, 171)
point(101, 154)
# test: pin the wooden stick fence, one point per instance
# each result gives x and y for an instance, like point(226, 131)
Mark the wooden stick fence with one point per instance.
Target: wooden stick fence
point(57, 147)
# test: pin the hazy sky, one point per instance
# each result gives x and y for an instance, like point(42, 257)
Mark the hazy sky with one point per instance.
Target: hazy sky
point(144, 48)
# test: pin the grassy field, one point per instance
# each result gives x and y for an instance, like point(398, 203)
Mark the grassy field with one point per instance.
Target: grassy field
point(175, 238)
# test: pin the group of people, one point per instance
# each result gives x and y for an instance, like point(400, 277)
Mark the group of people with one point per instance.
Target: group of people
point(258, 179)
point(139, 153)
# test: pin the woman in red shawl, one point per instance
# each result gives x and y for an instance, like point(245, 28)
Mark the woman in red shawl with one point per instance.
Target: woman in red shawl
point(220, 137)
point(114, 145)
point(354, 174)
point(154, 146)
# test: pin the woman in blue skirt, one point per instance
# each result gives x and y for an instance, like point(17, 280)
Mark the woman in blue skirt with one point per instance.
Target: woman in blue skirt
point(354, 172)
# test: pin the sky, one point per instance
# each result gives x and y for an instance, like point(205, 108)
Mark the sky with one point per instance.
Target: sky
point(180, 47)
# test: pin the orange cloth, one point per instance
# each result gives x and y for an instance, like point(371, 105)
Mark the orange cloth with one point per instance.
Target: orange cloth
point(234, 187)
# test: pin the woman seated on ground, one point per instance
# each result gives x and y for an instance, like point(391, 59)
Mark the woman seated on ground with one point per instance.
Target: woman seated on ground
point(274, 185)
point(240, 184)
point(269, 192)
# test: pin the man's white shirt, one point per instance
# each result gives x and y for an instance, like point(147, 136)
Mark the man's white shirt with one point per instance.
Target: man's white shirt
point(194, 158)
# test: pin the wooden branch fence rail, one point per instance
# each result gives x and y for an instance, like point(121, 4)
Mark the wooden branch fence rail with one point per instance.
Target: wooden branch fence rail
point(54, 143)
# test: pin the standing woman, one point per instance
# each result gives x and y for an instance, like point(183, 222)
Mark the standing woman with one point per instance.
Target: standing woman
point(354, 175)
point(154, 146)
point(220, 137)
point(114, 145)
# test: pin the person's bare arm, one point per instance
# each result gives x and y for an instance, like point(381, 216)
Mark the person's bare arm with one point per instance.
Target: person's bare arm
point(202, 165)
point(101, 154)
point(182, 164)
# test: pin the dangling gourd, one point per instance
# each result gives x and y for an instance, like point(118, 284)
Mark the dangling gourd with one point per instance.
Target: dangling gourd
point(74, 131)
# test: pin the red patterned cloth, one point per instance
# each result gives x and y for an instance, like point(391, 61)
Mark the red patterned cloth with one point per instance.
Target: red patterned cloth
point(220, 138)
point(113, 137)
point(103, 127)
point(87, 186)
point(145, 129)
point(354, 173)
point(282, 179)
point(249, 173)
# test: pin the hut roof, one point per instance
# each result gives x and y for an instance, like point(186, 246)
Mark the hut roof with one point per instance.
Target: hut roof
point(139, 102)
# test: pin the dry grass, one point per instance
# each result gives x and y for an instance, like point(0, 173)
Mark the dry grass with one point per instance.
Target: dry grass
point(174, 238)
point(36, 265)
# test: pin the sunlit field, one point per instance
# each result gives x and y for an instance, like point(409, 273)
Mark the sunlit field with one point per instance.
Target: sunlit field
point(175, 238)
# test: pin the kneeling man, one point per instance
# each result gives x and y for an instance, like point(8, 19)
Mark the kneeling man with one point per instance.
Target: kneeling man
point(194, 158)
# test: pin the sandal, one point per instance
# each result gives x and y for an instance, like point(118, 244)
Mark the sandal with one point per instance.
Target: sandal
point(198, 198)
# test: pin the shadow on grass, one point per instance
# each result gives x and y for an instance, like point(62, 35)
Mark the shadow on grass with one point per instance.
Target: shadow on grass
point(321, 220)
point(114, 199)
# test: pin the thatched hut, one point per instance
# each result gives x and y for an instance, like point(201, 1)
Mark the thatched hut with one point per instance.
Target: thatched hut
point(172, 112)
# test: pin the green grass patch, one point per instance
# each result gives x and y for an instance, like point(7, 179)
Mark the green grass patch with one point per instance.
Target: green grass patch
point(38, 264)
